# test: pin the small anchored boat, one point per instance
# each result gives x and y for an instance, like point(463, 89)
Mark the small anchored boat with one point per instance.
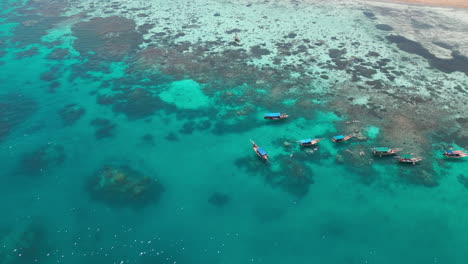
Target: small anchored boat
point(384, 151)
point(341, 138)
point(309, 142)
point(455, 154)
point(274, 116)
point(408, 159)
point(260, 152)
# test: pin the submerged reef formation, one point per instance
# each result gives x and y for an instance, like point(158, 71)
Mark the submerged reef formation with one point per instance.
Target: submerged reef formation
point(358, 160)
point(42, 159)
point(104, 128)
point(463, 180)
point(71, 113)
point(419, 174)
point(122, 186)
point(23, 246)
point(134, 103)
point(293, 175)
point(219, 199)
point(107, 38)
point(14, 110)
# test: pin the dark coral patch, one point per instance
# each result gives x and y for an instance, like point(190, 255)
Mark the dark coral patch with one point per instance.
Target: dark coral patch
point(258, 51)
point(294, 175)
point(419, 175)
point(28, 245)
point(14, 110)
point(457, 63)
point(463, 180)
point(383, 27)
point(58, 54)
point(31, 28)
point(219, 199)
point(104, 128)
point(138, 103)
point(122, 186)
point(110, 38)
point(51, 75)
point(148, 139)
point(27, 53)
point(71, 113)
point(336, 53)
point(42, 159)
point(172, 137)
point(369, 15)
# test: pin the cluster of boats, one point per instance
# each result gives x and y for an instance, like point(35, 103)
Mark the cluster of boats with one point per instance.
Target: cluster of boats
point(377, 151)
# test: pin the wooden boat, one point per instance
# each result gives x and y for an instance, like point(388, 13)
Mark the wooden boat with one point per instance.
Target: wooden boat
point(384, 151)
point(260, 152)
point(408, 159)
point(341, 138)
point(455, 154)
point(309, 142)
point(274, 116)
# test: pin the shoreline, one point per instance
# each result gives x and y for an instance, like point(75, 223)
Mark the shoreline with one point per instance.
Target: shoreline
point(438, 3)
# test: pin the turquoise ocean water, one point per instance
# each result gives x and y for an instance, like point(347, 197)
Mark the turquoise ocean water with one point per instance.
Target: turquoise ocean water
point(125, 127)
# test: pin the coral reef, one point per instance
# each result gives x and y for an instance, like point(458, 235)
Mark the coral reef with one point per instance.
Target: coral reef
point(122, 186)
point(58, 54)
point(104, 128)
point(14, 110)
point(23, 246)
point(107, 38)
point(357, 159)
point(71, 113)
point(419, 175)
point(137, 103)
point(42, 159)
point(293, 176)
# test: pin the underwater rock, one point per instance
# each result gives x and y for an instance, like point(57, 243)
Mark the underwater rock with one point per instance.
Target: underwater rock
point(122, 186)
point(104, 128)
point(219, 199)
point(42, 159)
point(14, 110)
point(71, 113)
